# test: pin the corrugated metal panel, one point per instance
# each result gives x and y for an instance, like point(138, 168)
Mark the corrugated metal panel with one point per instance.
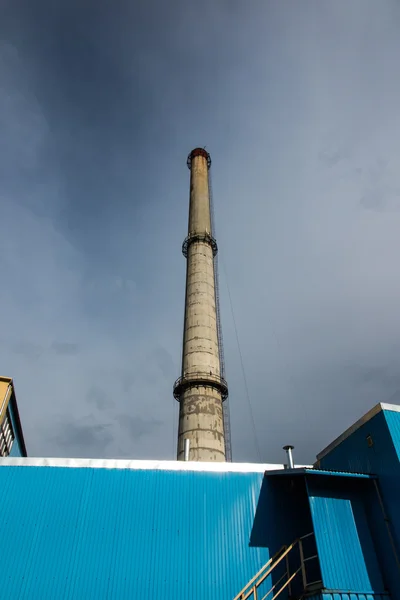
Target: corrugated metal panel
point(382, 458)
point(393, 421)
point(312, 471)
point(368, 450)
point(343, 596)
point(346, 554)
point(339, 474)
point(101, 533)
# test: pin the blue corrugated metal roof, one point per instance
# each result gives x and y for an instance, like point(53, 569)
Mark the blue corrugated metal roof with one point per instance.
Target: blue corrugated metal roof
point(339, 474)
point(104, 533)
point(328, 473)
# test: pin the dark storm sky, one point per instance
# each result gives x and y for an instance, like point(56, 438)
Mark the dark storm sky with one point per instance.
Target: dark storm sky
point(298, 104)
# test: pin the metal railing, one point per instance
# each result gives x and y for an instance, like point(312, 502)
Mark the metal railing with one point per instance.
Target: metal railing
point(200, 379)
point(251, 589)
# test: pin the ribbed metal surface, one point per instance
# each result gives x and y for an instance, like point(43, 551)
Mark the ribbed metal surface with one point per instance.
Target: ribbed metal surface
point(338, 473)
point(310, 471)
point(393, 421)
point(344, 596)
point(101, 533)
point(374, 448)
point(345, 548)
point(368, 450)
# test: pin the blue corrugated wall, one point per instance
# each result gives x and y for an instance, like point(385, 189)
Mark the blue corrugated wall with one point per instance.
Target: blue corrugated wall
point(344, 596)
point(382, 459)
point(346, 551)
point(101, 533)
point(393, 422)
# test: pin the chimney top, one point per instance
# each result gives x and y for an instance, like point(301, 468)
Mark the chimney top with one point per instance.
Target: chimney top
point(199, 152)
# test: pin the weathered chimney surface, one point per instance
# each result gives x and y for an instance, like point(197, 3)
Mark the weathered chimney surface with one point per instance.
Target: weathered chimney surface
point(200, 390)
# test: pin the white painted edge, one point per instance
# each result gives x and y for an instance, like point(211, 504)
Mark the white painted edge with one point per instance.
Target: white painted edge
point(148, 465)
point(392, 407)
point(367, 417)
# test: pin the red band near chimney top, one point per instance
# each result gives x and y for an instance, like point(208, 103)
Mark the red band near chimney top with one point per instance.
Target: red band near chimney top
point(199, 152)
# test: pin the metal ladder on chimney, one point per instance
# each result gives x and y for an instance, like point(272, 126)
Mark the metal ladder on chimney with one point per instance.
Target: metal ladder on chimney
point(252, 588)
point(225, 406)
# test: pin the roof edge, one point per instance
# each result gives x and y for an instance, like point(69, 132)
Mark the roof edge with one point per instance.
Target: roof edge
point(367, 417)
point(159, 465)
point(320, 472)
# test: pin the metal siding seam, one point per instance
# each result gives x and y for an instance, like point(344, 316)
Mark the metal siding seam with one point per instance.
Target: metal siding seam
point(78, 558)
point(40, 516)
point(190, 550)
point(226, 491)
point(113, 566)
point(238, 511)
point(103, 531)
point(208, 506)
point(393, 422)
point(127, 558)
point(170, 574)
point(23, 541)
point(52, 555)
point(333, 534)
point(219, 570)
point(146, 512)
point(61, 508)
point(160, 534)
point(8, 486)
point(230, 493)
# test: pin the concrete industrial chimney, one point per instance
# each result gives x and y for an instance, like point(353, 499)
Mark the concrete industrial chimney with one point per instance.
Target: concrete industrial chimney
point(200, 390)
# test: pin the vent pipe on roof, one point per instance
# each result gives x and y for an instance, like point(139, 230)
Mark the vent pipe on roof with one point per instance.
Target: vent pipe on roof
point(289, 449)
point(186, 449)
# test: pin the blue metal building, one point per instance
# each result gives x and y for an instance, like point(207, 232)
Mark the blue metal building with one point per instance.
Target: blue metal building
point(372, 446)
point(122, 529)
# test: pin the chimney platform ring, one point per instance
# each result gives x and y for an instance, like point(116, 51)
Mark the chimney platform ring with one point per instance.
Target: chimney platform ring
point(199, 237)
point(200, 380)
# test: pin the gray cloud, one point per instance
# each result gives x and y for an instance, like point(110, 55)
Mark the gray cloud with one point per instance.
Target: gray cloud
point(164, 361)
point(27, 349)
point(82, 439)
point(65, 348)
point(100, 398)
point(137, 426)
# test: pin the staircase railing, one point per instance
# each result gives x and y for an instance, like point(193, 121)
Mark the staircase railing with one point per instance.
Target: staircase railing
point(251, 589)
